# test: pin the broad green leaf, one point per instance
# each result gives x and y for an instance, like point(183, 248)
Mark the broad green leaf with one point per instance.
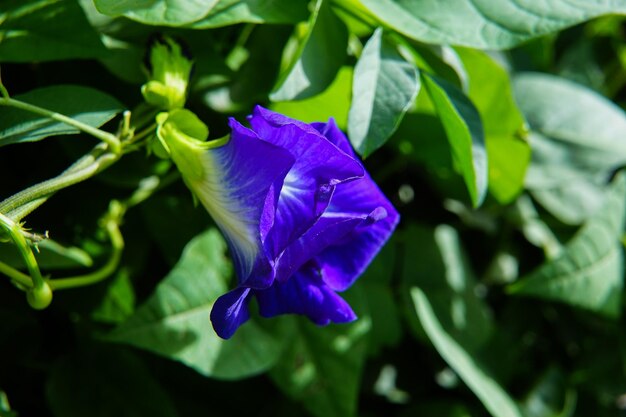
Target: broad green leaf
point(174, 321)
point(464, 363)
point(322, 367)
point(46, 30)
point(383, 89)
point(508, 154)
point(102, 381)
point(589, 272)
point(333, 102)
point(485, 24)
point(578, 139)
point(464, 132)
point(230, 12)
point(313, 57)
point(84, 104)
point(158, 12)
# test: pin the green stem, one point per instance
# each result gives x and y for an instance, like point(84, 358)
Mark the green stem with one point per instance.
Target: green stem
point(29, 199)
point(117, 242)
point(16, 275)
point(15, 231)
point(106, 137)
point(3, 90)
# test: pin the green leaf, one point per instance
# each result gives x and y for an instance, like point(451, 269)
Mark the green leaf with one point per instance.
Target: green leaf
point(231, 12)
point(174, 321)
point(45, 30)
point(464, 132)
point(383, 89)
point(333, 102)
point(322, 367)
point(589, 271)
point(158, 12)
point(119, 302)
point(575, 147)
point(320, 50)
point(84, 104)
point(103, 381)
point(485, 24)
point(508, 154)
point(464, 363)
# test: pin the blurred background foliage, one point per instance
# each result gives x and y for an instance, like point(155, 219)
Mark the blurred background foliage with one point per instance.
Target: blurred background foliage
point(496, 128)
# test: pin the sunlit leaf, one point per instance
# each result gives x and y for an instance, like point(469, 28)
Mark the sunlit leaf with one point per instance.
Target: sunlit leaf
point(230, 12)
point(485, 24)
point(383, 89)
point(464, 131)
point(509, 154)
point(578, 139)
point(158, 12)
point(333, 102)
point(317, 51)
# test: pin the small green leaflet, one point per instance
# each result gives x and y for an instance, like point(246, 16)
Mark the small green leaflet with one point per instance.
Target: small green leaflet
point(383, 89)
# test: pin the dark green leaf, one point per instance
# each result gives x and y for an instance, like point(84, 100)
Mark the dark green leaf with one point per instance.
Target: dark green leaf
point(45, 30)
point(485, 24)
point(383, 89)
point(464, 131)
point(118, 303)
point(174, 321)
point(313, 57)
point(322, 367)
point(589, 272)
point(103, 381)
point(84, 104)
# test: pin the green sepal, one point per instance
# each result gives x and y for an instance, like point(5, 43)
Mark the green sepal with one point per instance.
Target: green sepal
point(184, 136)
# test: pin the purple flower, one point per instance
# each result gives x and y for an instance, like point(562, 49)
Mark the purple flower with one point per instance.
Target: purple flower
point(302, 217)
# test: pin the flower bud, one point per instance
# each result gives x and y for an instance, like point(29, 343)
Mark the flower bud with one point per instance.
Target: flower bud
point(169, 72)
